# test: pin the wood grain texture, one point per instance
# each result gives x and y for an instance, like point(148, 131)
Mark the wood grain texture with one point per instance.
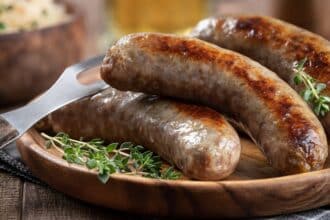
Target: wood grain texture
point(10, 196)
point(253, 190)
point(43, 203)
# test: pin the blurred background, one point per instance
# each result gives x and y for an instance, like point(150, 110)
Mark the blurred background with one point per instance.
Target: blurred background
point(107, 20)
point(93, 25)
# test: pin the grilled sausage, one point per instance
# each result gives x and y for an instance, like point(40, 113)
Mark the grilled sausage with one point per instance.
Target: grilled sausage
point(273, 43)
point(198, 140)
point(272, 113)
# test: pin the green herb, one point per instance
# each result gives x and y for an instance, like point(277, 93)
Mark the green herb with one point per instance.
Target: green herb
point(2, 26)
point(112, 158)
point(312, 89)
point(170, 173)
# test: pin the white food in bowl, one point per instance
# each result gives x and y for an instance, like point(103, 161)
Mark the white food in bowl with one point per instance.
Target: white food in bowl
point(25, 15)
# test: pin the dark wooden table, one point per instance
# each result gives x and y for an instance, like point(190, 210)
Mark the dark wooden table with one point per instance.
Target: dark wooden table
point(24, 200)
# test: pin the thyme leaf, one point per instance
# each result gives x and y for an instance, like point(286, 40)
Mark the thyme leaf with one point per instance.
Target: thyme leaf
point(312, 89)
point(112, 158)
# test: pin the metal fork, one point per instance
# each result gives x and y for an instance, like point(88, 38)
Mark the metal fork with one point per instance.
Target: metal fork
point(65, 90)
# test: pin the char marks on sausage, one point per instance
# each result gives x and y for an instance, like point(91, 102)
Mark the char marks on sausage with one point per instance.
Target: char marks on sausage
point(271, 112)
point(273, 43)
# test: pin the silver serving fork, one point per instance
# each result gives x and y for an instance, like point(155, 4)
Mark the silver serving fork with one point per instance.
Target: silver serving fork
point(65, 90)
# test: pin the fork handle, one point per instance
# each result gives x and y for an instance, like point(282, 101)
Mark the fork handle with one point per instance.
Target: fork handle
point(7, 132)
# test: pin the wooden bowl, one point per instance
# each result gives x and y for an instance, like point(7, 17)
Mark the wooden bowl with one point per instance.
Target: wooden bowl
point(253, 190)
point(31, 61)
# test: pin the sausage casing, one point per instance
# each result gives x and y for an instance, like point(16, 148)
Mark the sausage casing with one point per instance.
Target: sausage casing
point(198, 140)
point(275, 44)
point(272, 113)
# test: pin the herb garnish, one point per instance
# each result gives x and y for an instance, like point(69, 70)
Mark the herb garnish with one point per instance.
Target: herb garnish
point(113, 158)
point(312, 91)
point(2, 26)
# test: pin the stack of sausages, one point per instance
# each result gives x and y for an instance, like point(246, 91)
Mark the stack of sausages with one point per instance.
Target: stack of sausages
point(174, 90)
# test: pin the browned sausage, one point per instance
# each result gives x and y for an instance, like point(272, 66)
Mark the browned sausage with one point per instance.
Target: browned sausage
point(198, 140)
point(273, 43)
point(272, 113)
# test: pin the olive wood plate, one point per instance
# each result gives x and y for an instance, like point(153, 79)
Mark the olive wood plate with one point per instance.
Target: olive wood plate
point(254, 189)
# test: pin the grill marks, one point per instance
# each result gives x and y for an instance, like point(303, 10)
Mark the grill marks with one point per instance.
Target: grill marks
point(296, 44)
point(176, 47)
point(290, 134)
point(298, 126)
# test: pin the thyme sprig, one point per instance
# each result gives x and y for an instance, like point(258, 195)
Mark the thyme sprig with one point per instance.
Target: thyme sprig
point(312, 89)
point(112, 158)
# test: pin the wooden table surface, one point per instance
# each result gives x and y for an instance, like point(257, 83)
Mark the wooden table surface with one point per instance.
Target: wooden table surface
point(24, 200)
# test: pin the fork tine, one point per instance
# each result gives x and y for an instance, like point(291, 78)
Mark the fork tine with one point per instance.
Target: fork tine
point(66, 89)
point(97, 85)
point(77, 68)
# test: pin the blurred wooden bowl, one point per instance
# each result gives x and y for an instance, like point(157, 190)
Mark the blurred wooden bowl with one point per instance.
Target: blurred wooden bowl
point(31, 61)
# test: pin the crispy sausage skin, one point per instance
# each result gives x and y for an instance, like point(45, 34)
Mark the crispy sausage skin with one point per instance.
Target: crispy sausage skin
point(273, 43)
point(198, 140)
point(272, 113)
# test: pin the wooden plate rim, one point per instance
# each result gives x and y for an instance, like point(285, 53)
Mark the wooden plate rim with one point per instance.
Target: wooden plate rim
point(189, 183)
point(178, 198)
